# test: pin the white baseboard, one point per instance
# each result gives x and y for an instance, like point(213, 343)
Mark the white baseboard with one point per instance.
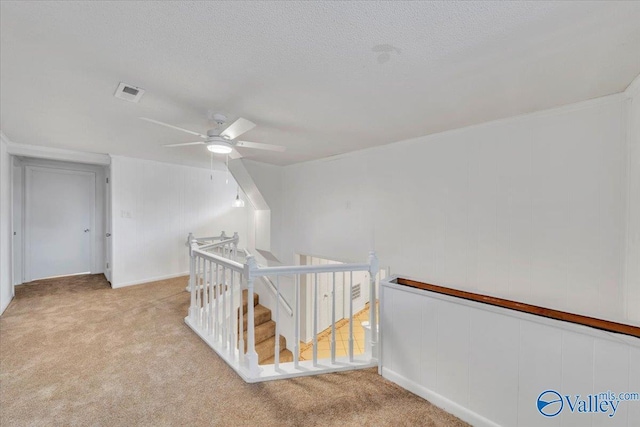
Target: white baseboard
point(5, 305)
point(440, 401)
point(147, 280)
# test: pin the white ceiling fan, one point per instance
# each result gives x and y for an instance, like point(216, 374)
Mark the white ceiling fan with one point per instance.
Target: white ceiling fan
point(222, 141)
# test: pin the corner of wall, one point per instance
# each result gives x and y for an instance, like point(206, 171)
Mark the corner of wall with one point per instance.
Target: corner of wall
point(633, 90)
point(632, 220)
point(6, 288)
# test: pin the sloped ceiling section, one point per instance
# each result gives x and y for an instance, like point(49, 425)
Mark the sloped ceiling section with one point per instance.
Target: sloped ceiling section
point(262, 183)
point(321, 78)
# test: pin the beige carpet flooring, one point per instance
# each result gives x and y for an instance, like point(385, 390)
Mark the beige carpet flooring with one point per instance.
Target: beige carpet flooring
point(74, 352)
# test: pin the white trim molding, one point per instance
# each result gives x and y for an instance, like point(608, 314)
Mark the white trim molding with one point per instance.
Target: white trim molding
point(50, 153)
point(149, 280)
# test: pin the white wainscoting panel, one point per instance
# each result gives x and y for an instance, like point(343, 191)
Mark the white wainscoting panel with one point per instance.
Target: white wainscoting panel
point(488, 365)
point(155, 205)
point(577, 358)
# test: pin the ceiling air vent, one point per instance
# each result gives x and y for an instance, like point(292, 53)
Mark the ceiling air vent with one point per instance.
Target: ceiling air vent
point(129, 93)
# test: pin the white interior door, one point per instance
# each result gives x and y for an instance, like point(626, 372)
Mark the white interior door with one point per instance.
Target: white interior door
point(108, 267)
point(60, 219)
point(17, 217)
point(325, 297)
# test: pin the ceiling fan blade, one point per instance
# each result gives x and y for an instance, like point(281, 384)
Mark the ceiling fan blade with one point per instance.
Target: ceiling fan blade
point(260, 146)
point(237, 128)
point(185, 143)
point(235, 155)
point(146, 119)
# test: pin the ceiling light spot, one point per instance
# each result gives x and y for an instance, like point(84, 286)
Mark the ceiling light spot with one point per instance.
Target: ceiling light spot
point(385, 51)
point(383, 57)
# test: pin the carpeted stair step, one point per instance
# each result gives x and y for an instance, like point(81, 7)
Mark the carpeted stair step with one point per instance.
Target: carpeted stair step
point(263, 331)
point(245, 297)
point(220, 288)
point(261, 314)
point(266, 349)
point(285, 356)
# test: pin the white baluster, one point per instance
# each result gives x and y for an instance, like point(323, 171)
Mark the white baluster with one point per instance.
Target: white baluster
point(373, 270)
point(198, 298)
point(203, 302)
point(252, 356)
point(224, 307)
point(192, 283)
point(351, 316)
point(216, 320)
point(241, 322)
point(232, 336)
point(205, 316)
point(211, 298)
point(315, 320)
point(276, 355)
point(296, 325)
point(333, 320)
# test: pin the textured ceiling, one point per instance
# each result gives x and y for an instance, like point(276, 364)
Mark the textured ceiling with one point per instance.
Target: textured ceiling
point(321, 78)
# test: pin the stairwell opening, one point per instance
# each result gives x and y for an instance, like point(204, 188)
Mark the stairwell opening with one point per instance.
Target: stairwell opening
point(356, 294)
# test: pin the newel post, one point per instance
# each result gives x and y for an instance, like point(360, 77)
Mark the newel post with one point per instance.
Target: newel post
point(223, 248)
point(236, 239)
point(251, 357)
point(374, 266)
point(191, 242)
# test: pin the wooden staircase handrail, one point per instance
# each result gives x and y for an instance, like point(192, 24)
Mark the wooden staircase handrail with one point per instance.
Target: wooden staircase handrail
point(605, 325)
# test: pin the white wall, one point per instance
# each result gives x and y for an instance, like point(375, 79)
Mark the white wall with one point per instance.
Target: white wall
point(268, 179)
point(530, 208)
point(6, 288)
point(632, 272)
point(155, 205)
point(488, 365)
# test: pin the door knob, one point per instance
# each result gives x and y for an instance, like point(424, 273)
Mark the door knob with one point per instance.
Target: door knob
point(86, 230)
point(108, 234)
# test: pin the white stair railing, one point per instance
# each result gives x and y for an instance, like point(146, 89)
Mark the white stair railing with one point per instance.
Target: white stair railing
point(216, 283)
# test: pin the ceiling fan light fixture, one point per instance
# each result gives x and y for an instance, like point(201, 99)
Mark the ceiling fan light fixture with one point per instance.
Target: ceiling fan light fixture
point(219, 148)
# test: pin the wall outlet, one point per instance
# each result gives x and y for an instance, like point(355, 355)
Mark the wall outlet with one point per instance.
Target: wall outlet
point(125, 214)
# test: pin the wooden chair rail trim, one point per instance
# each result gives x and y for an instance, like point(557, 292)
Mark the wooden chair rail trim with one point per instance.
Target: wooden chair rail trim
point(592, 322)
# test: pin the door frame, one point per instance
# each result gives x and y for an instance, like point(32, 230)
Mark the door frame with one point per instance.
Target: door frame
point(29, 169)
point(108, 226)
